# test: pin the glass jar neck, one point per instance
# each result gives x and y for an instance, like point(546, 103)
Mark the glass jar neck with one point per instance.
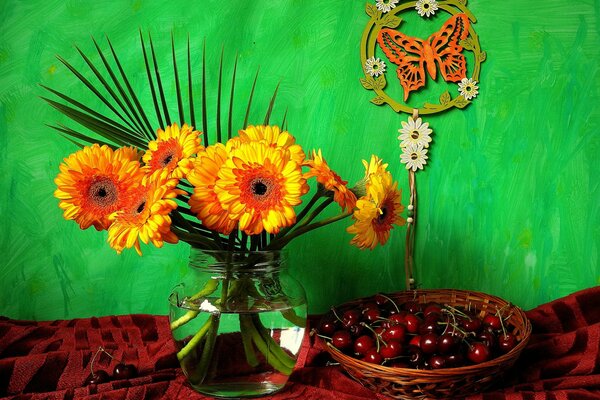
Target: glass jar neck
point(222, 261)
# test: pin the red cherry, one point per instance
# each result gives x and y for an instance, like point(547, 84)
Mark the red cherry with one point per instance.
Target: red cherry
point(415, 356)
point(392, 349)
point(507, 342)
point(478, 352)
point(413, 307)
point(396, 332)
point(399, 318)
point(363, 344)
point(472, 325)
point(327, 327)
point(371, 314)
point(124, 371)
point(488, 338)
point(429, 343)
point(437, 361)
point(493, 321)
point(373, 357)
point(455, 359)
point(356, 330)
point(412, 323)
point(415, 341)
point(341, 340)
point(446, 343)
point(380, 299)
point(432, 308)
point(97, 377)
point(350, 317)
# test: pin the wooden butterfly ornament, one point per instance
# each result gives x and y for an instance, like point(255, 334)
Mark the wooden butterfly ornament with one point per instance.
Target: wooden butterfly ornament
point(413, 55)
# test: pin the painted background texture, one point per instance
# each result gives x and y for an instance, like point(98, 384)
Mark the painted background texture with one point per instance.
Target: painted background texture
point(508, 205)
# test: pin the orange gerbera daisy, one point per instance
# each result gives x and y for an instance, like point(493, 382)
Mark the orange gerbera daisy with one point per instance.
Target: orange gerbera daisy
point(173, 150)
point(273, 137)
point(204, 201)
point(146, 216)
point(377, 212)
point(331, 181)
point(259, 186)
point(96, 181)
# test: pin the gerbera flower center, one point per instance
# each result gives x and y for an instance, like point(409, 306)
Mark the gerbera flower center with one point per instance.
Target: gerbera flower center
point(167, 155)
point(141, 207)
point(382, 215)
point(103, 192)
point(425, 6)
point(259, 188)
point(414, 156)
point(415, 134)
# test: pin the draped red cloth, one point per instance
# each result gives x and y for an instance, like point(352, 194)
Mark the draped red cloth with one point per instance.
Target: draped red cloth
point(50, 360)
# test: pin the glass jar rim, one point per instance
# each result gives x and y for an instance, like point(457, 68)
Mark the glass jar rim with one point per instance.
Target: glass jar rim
point(237, 260)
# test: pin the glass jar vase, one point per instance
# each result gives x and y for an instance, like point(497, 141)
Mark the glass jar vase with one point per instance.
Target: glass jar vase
point(238, 320)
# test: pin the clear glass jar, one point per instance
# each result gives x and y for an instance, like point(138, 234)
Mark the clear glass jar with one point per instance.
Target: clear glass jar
point(238, 320)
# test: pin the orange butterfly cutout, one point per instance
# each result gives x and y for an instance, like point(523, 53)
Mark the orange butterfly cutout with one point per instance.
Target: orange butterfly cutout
point(412, 54)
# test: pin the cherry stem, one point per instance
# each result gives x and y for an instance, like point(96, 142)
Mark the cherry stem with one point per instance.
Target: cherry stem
point(335, 313)
point(377, 338)
point(393, 302)
point(314, 332)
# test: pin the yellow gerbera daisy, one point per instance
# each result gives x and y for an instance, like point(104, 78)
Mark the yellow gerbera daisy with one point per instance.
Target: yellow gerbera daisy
point(146, 216)
point(377, 212)
point(173, 150)
point(259, 185)
point(272, 136)
point(331, 181)
point(204, 201)
point(96, 181)
point(374, 166)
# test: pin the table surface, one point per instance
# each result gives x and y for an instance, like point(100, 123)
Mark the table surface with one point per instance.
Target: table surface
point(50, 359)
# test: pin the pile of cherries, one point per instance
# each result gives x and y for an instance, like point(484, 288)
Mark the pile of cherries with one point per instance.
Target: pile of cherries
point(415, 335)
point(120, 371)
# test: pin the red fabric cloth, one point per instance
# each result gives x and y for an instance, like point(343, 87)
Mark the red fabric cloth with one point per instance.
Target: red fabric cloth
point(50, 360)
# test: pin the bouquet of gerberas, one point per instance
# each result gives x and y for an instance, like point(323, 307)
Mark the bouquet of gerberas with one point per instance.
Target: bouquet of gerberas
point(242, 193)
point(220, 192)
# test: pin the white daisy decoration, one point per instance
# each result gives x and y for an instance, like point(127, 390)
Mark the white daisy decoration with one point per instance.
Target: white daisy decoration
point(415, 132)
point(426, 8)
point(414, 156)
point(374, 66)
point(386, 6)
point(468, 88)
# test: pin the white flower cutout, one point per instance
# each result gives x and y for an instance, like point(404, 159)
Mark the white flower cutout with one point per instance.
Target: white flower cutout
point(415, 132)
point(468, 88)
point(426, 8)
point(374, 66)
point(386, 6)
point(414, 156)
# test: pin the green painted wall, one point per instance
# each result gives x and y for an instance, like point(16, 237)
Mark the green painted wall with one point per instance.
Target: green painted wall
point(508, 205)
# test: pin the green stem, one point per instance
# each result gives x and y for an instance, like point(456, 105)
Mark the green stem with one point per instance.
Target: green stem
point(248, 326)
point(195, 239)
point(208, 288)
point(281, 241)
point(209, 346)
point(304, 211)
point(317, 211)
point(248, 347)
point(294, 318)
point(181, 354)
point(275, 349)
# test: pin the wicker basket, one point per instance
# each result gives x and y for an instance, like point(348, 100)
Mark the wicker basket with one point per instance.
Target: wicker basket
point(408, 383)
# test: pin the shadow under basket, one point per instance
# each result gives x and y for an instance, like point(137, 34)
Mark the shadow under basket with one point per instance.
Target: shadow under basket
point(445, 383)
